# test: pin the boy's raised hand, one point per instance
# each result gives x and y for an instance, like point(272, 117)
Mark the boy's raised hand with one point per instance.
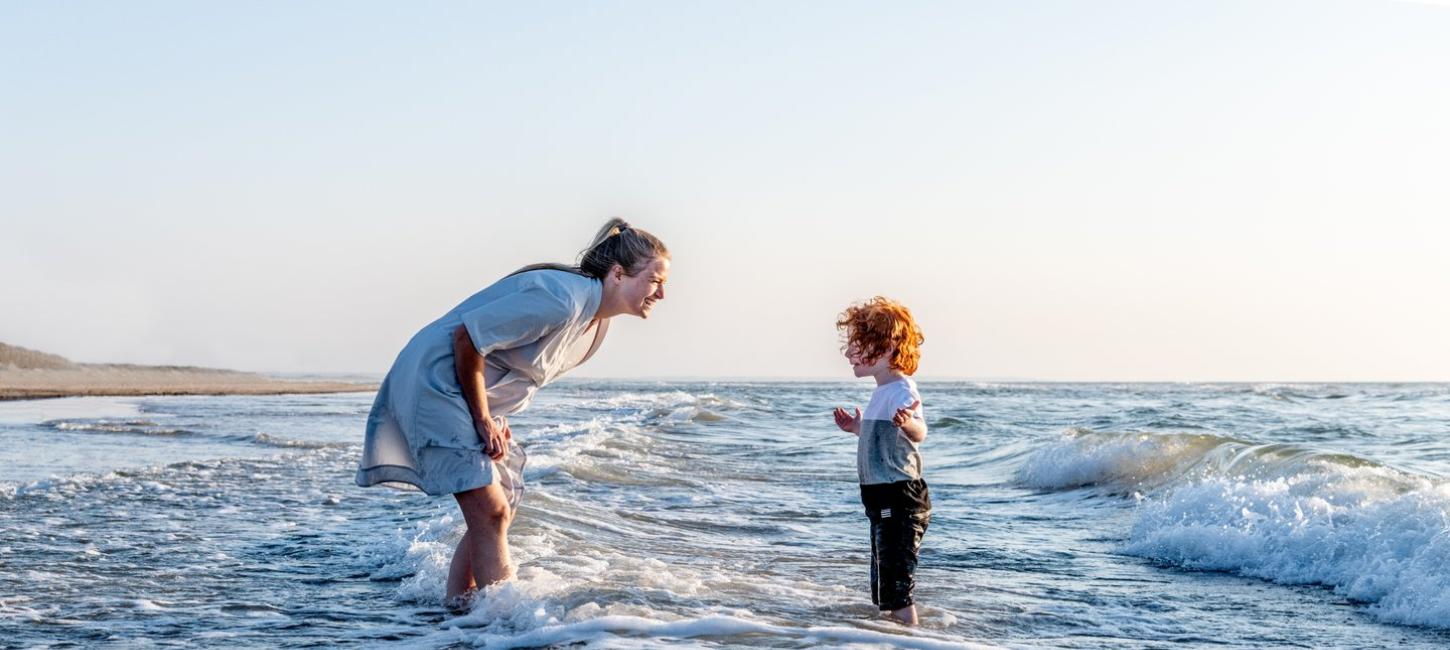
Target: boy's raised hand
point(848, 422)
point(904, 415)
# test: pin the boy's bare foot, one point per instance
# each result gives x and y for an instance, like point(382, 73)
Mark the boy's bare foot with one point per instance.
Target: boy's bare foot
point(905, 615)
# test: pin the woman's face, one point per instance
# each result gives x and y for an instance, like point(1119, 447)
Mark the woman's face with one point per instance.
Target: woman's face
point(639, 293)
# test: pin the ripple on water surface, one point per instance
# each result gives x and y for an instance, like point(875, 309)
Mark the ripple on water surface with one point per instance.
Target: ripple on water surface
point(714, 514)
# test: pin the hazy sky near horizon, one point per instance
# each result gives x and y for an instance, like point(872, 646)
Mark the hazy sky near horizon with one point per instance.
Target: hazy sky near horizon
point(1063, 190)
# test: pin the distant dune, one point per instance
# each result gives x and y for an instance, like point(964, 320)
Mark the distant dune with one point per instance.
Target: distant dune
point(18, 358)
point(29, 374)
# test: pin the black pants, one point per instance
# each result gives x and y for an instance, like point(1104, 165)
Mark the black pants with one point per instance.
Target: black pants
point(899, 515)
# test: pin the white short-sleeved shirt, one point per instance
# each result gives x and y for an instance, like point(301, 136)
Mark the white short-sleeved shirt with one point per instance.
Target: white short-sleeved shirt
point(883, 453)
point(530, 327)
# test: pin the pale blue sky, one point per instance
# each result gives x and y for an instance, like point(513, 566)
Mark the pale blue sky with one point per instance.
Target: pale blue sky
point(1156, 190)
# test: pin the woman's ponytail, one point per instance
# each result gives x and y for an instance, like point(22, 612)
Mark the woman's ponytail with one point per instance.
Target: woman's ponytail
point(616, 243)
point(620, 243)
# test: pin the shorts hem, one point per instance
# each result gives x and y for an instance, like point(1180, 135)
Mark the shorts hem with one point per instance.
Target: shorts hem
point(893, 607)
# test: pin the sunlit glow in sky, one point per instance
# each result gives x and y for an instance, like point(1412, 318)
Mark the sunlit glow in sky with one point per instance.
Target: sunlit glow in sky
point(1061, 190)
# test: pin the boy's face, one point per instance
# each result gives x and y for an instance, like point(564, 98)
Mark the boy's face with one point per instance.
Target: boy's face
point(868, 367)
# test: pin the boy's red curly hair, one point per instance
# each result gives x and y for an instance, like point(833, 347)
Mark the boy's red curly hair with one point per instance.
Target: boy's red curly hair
point(879, 324)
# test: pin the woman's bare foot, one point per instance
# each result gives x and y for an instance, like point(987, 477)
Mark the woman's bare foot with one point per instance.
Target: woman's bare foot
point(462, 603)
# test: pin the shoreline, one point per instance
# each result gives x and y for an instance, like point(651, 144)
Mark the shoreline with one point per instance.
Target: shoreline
point(134, 381)
point(18, 395)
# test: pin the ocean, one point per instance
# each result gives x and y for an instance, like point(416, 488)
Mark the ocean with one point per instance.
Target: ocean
point(726, 514)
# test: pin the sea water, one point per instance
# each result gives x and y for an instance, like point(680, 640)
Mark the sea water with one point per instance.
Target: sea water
point(726, 514)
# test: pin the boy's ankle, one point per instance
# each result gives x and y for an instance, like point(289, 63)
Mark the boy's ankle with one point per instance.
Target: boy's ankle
point(906, 615)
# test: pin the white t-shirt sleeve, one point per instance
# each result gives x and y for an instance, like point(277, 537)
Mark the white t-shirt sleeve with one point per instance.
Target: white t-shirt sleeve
point(905, 398)
point(516, 319)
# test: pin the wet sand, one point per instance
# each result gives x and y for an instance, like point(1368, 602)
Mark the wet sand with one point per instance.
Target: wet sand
point(128, 380)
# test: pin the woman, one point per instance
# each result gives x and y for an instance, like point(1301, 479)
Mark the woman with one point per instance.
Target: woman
point(432, 425)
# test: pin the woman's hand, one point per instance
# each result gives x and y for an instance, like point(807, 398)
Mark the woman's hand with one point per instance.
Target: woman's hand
point(848, 422)
point(495, 434)
point(468, 365)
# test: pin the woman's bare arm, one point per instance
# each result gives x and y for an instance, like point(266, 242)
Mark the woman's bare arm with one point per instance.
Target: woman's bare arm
point(468, 365)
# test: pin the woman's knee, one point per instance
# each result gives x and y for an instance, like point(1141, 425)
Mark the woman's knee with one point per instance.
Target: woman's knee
point(484, 508)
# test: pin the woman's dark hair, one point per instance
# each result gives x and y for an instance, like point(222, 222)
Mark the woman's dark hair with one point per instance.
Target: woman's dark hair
point(616, 243)
point(620, 243)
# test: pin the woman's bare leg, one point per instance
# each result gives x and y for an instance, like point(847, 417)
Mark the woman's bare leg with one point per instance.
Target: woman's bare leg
point(460, 570)
point(486, 513)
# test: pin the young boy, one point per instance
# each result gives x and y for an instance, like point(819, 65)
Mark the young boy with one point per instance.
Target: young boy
point(884, 343)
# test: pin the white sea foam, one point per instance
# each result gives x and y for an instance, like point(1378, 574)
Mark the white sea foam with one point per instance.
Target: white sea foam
point(639, 630)
point(19, 608)
point(154, 481)
point(145, 605)
point(672, 406)
point(128, 426)
point(551, 448)
point(1134, 460)
point(582, 444)
point(614, 555)
point(1350, 528)
point(270, 440)
point(567, 591)
point(1278, 512)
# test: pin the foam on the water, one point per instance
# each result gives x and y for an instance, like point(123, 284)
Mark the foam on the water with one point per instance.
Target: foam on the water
point(571, 592)
point(1279, 512)
point(593, 572)
point(1123, 461)
point(638, 631)
point(108, 425)
point(725, 515)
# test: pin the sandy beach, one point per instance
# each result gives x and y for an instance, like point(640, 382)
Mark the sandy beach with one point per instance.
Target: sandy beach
point(28, 374)
point(107, 380)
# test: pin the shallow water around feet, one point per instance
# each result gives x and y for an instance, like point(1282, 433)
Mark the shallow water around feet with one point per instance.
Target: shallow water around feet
point(726, 514)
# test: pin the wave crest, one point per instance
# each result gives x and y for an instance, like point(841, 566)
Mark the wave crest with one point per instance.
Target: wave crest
point(1340, 527)
point(1280, 512)
point(139, 427)
point(288, 443)
point(1119, 460)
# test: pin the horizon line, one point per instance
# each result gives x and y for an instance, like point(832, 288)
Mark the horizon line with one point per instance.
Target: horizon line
point(946, 378)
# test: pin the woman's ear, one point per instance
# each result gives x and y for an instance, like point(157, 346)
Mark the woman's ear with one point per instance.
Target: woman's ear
point(617, 272)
